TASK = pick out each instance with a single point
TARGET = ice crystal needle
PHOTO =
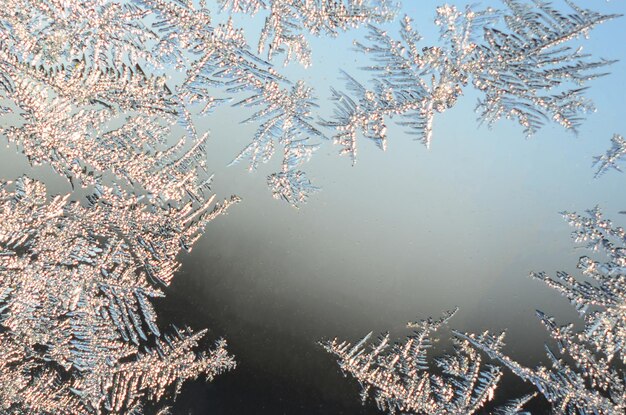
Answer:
(289, 20)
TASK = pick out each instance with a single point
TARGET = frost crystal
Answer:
(588, 380)
(224, 62)
(80, 332)
(88, 116)
(80, 91)
(519, 58)
(400, 381)
(105, 106)
(283, 34)
(286, 119)
(613, 155)
(108, 93)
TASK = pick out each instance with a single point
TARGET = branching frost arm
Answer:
(610, 160)
(400, 380)
(77, 283)
(224, 62)
(520, 58)
(587, 379)
(528, 71)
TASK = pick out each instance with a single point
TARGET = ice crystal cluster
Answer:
(108, 93)
(589, 376)
(610, 160)
(80, 334)
(586, 375)
(86, 87)
(519, 58)
(400, 380)
(288, 20)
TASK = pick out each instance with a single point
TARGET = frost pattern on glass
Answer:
(85, 86)
(589, 378)
(519, 58)
(82, 89)
(98, 106)
(515, 406)
(80, 333)
(587, 375)
(613, 156)
(223, 63)
(90, 112)
(288, 20)
(101, 31)
(400, 381)
(286, 119)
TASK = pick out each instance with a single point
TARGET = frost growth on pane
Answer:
(400, 378)
(610, 160)
(586, 375)
(50, 32)
(289, 20)
(285, 118)
(102, 104)
(81, 89)
(521, 59)
(80, 334)
(589, 378)
(223, 63)
(94, 110)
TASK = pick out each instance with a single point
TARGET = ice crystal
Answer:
(76, 281)
(224, 62)
(285, 118)
(400, 380)
(52, 31)
(81, 91)
(288, 20)
(97, 107)
(515, 407)
(87, 120)
(606, 327)
(613, 155)
(587, 380)
(520, 58)
(109, 92)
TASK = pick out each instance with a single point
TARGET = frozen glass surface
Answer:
(377, 239)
